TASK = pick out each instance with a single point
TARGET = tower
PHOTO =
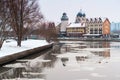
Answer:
(80, 17)
(64, 23)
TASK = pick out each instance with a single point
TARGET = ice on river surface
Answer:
(74, 60)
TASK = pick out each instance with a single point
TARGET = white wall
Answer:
(63, 26)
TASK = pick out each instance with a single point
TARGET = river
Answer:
(69, 60)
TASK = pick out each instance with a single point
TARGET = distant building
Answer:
(98, 26)
(75, 29)
(115, 27)
(106, 27)
(86, 26)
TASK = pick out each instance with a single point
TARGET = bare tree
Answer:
(52, 32)
(48, 31)
(4, 22)
(23, 14)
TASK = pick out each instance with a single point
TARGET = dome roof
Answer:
(64, 14)
(84, 15)
(64, 17)
(79, 14)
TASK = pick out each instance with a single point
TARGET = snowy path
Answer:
(11, 47)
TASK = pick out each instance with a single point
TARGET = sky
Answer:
(53, 9)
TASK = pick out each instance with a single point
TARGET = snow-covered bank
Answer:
(11, 47)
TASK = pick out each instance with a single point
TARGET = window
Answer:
(91, 31)
(96, 31)
(100, 31)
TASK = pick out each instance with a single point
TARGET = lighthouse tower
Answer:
(64, 23)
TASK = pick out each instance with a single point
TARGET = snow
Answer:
(76, 25)
(91, 34)
(23, 79)
(10, 46)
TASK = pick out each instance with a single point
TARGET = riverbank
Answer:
(89, 39)
(10, 51)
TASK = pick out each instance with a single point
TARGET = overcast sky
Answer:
(53, 9)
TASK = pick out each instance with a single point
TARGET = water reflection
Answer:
(9, 74)
(105, 53)
(64, 60)
(81, 58)
(30, 68)
(74, 60)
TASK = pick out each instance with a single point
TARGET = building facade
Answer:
(94, 26)
(106, 27)
(98, 26)
(115, 27)
(83, 25)
(75, 30)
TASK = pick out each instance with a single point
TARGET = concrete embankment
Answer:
(9, 58)
(89, 39)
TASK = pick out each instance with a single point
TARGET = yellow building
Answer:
(75, 29)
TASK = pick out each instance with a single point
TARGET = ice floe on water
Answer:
(89, 68)
(31, 73)
(82, 79)
(23, 79)
(83, 69)
(114, 59)
(31, 63)
(72, 42)
(96, 49)
(68, 54)
(16, 65)
(72, 45)
(41, 60)
(76, 69)
(97, 75)
(118, 76)
(24, 60)
(36, 62)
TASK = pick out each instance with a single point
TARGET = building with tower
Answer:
(78, 28)
(88, 27)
